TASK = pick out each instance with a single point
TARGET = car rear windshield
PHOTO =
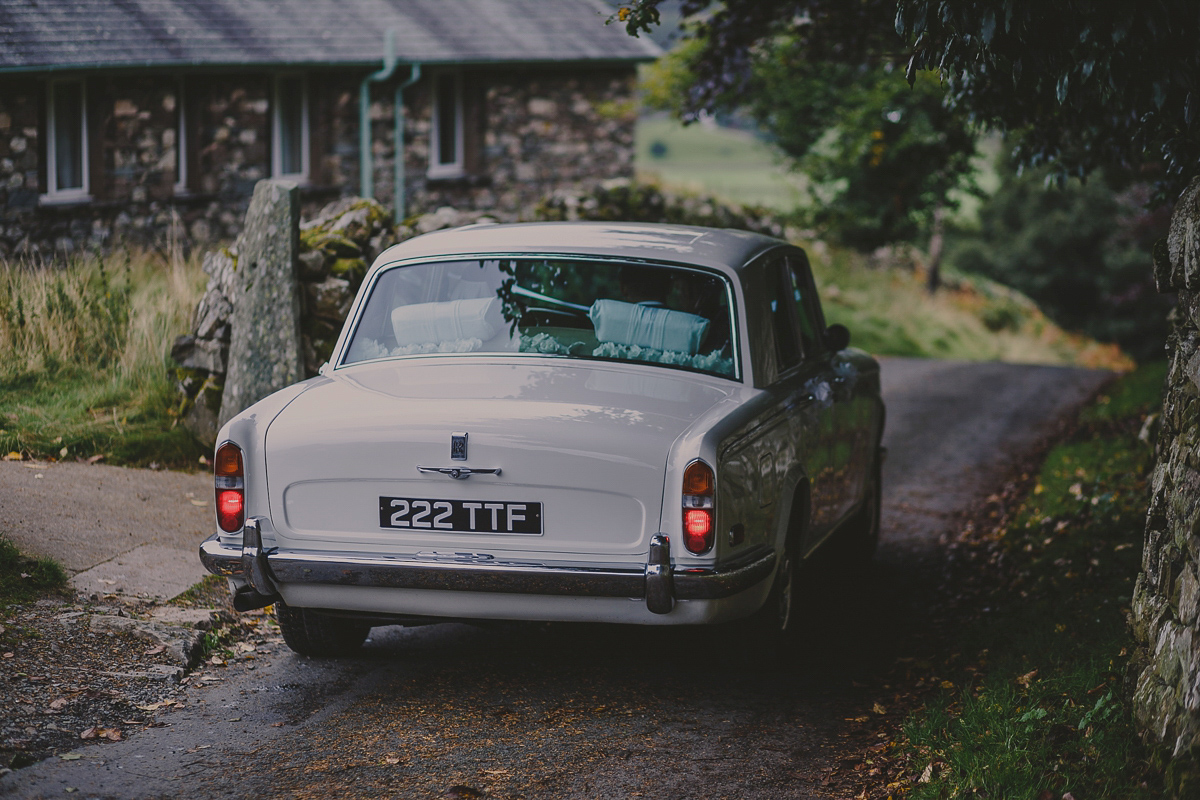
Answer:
(673, 316)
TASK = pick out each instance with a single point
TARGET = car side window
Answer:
(804, 300)
(779, 296)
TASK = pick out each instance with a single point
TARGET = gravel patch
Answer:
(90, 672)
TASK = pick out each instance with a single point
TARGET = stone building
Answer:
(150, 119)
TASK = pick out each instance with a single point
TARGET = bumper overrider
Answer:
(658, 583)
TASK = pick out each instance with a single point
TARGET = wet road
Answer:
(592, 711)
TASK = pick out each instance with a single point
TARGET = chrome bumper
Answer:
(657, 582)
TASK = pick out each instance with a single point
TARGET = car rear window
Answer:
(672, 316)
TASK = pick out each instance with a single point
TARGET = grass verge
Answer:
(23, 578)
(889, 312)
(1039, 706)
(85, 358)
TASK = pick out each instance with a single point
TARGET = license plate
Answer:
(459, 516)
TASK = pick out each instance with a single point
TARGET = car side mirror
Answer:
(837, 336)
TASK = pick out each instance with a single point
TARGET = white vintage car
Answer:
(603, 422)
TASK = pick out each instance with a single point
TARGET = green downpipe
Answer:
(399, 197)
(366, 166)
(366, 177)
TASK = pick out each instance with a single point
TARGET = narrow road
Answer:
(594, 711)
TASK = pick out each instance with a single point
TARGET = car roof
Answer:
(720, 248)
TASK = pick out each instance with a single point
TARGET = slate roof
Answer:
(89, 34)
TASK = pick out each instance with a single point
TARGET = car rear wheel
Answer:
(774, 624)
(311, 633)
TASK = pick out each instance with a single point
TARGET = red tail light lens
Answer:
(229, 479)
(699, 508)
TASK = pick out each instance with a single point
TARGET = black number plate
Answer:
(459, 516)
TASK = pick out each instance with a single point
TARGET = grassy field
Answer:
(1039, 706)
(731, 164)
(889, 312)
(85, 358)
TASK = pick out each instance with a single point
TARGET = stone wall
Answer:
(1166, 602)
(527, 132)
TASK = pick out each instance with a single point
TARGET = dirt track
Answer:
(592, 711)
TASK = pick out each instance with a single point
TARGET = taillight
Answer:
(229, 478)
(699, 492)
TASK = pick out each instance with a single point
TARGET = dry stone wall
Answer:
(1166, 602)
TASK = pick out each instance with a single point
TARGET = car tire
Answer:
(855, 545)
(774, 624)
(311, 633)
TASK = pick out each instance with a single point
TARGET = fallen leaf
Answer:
(878, 709)
(26, 575)
(200, 503)
(204, 460)
(95, 458)
(13, 456)
(112, 734)
(59, 704)
(62, 453)
(244, 647)
(391, 760)
(217, 661)
(70, 757)
(70, 789)
(926, 775)
(153, 651)
(90, 733)
(8, 655)
(1068, 796)
(2, 629)
(947, 684)
(276, 724)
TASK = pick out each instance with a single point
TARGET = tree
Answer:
(882, 157)
(1082, 85)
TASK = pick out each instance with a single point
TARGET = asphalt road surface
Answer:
(592, 711)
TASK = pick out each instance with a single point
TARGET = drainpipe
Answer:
(398, 190)
(366, 177)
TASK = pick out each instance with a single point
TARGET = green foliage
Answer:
(1044, 706)
(1081, 251)
(883, 156)
(1085, 85)
(23, 578)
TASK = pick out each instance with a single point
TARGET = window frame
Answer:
(75, 194)
(181, 123)
(277, 129)
(339, 358)
(436, 168)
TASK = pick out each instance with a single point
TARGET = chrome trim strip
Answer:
(460, 473)
(404, 573)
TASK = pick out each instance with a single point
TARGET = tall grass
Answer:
(85, 356)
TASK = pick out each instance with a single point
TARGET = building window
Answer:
(66, 142)
(289, 151)
(446, 138)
